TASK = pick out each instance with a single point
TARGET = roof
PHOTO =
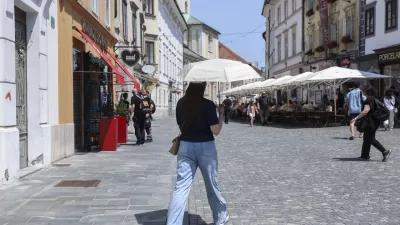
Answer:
(189, 52)
(191, 20)
(238, 58)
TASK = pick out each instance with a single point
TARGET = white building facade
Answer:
(379, 46)
(164, 47)
(28, 86)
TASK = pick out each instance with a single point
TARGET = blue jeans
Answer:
(192, 155)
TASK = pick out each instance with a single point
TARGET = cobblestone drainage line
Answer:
(78, 183)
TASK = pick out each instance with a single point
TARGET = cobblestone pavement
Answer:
(267, 176)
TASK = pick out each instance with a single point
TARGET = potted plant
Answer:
(309, 52)
(320, 49)
(108, 127)
(346, 39)
(310, 12)
(332, 44)
(122, 114)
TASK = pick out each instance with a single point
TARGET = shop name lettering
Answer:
(96, 35)
(130, 58)
(389, 56)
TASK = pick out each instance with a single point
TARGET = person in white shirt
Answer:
(389, 101)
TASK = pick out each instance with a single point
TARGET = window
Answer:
(321, 37)
(210, 43)
(391, 15)
(149, 7)
(348, 26)
(294, 42)
(310, 4)
(95, 7)
(334, 32)
(150, 53)
(195, 41)
(124, 19)
(286, 10)
(134, 27)
(186, 7)
(108, 13)
(115, 8)
(294, 7)
(279, 49)
(286, 46)
(279, 14)
(310, 42)
(370, 21)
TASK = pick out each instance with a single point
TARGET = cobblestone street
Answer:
(267, 175)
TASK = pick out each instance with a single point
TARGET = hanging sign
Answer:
(130, 58)
(149, 69)
(345, 62)
(323, 13)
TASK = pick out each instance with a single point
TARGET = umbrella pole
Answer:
(334, 89)
(219, 95)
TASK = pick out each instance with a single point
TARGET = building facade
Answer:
(283, 37)
(379, 41)
(204, 41)
(28, 87)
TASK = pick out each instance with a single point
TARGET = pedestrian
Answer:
(198, 122)
(252, 110)
(354, 100)
(389, 101)
(263, 107)
(125, 102)
(370, 125)
(141, 111)
(227, 104)
(147, 124)
(396, 96)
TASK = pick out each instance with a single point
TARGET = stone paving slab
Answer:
(267, 175)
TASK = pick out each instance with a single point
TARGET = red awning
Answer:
(120, 77)
(136, 83)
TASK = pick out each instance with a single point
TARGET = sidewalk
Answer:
(135, 187)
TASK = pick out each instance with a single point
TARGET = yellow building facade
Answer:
(342, 48)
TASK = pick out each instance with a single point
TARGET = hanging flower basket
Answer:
(332, 1)
(320, 49)
(309, 52)
(310, 12)
(332, 44)
(346, 39)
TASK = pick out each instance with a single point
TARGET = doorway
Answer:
(21, 84)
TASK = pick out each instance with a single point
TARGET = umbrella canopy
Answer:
(240, 89)
(339, 73)
(268, 85)
(218, 70)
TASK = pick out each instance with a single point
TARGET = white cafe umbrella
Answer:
(218, 70)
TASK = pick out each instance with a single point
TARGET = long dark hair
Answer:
(369, 90)
(193, 101)
(389, 94)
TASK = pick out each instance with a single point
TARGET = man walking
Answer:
(263, 107)
(227, 106)
(141, 109)
(354, 100)
(147, 125)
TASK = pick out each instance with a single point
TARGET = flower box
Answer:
(122, 130)
(346, 39)
(320, 49)
(108, 134)
(309, 52)
(310, 12)
(332, 44)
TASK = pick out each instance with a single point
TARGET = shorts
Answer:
(353, 115)
(264, 113)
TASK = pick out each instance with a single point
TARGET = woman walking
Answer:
(252, 113)
(369, 124)
(199, 123)
(389, 101)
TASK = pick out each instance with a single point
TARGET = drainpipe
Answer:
(269, 40)
(302, 30)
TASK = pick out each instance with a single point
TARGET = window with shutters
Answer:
(134, 27)
(391, 15)
(294, 41)
(370, 21)
(150, 52)
(334, 32)
(348, 26)
(125, 19)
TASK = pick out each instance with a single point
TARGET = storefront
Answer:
(88, 72)
(389, 64)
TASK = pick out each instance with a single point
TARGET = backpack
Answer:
(381, 112)
(396, 101)
(144, 105)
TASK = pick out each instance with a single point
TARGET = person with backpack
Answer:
(141, 113)
(147, 125)
(374, 112)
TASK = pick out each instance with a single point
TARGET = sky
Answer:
(235, 16)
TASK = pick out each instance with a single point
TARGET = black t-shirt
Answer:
(198, 130)
(227, 103)
(135, 100)
(263, 101)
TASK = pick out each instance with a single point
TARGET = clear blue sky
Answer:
(235, 16)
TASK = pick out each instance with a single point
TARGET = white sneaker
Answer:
(226, 220)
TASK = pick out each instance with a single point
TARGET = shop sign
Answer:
(389, 57)
(94, 34)
(345, 62)
(130, 58)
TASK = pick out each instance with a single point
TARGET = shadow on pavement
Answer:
(354, 160)
(159, 217)
(340, 138)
